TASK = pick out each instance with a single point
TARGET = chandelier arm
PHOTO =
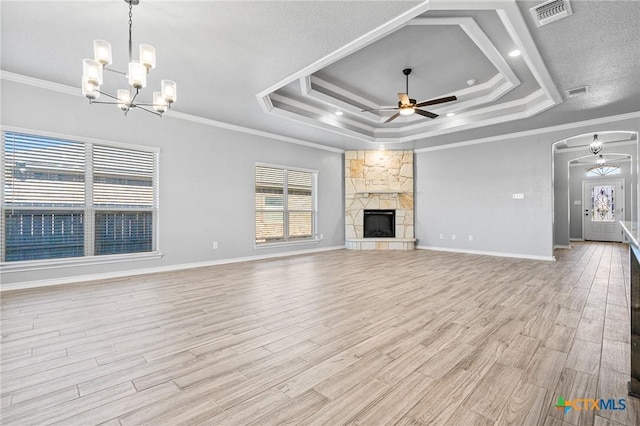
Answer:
(148, 110)
(114, 71)
(103, 102)
(132, 101)
(107, 95)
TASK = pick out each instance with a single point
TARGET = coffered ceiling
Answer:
(287, 68)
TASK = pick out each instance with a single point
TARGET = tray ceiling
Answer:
(450, 53)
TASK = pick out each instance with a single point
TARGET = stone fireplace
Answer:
(379, 184)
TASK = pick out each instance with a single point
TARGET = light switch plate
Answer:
(518, 196)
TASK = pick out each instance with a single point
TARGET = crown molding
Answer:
(568, 126)
(68, 90)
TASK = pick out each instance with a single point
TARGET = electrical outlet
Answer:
(215, 245)
(470, 237)
(453, 236)
(442, 236)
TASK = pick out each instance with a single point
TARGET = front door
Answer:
(603, 203)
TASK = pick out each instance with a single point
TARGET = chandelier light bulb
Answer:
(102, 52)
(137, 75)
(169, 91)
(92, 70)
(159, 104)
(148, 56)
(89, 90)
(124, 99)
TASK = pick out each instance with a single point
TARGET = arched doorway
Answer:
(576, 177)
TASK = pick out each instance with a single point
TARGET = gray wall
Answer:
(206, 178)
(207, 173)
(567, 216)
(467, 190)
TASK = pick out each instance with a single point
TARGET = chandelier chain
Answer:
(130, 26)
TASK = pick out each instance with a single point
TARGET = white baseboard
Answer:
(576, 239)
(489, 253)
(561, 246)
(119, 274)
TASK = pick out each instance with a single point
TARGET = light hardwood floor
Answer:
(339, 337)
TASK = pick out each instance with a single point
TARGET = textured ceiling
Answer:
(222, 54)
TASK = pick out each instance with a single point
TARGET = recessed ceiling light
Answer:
(338, 112)
(381, 147)
(451, 114)
(514, 53)
(471, 82)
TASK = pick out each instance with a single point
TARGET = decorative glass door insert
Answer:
(602, 203)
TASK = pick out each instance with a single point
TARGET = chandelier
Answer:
(92, 76)
(595, 146)
(601, 168)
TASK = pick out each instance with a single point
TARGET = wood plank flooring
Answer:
(341, 337)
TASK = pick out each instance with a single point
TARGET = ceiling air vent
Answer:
(550, 11)
(578, 91)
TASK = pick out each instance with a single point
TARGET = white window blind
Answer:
(285, 207)
(122, 177)
(43, 171)
(300, 204)
(51, 208)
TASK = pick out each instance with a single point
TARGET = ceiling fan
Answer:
(407, 106)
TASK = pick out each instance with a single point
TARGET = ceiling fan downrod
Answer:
(406, 72)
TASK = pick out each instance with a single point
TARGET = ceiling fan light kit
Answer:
(137, 70)
(408, 106)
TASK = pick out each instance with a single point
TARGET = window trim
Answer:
(63, 262)
(69, 262)
(314, 199)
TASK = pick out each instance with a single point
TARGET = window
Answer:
(603, 170)
(65, 199)
(602, 203)
(285, 204)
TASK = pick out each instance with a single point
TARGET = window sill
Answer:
(36, 265)
(287, 243)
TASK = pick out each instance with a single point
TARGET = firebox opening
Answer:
(379, 223)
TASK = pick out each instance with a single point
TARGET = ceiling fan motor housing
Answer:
(411, 103)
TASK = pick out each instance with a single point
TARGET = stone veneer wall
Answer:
(378, 180)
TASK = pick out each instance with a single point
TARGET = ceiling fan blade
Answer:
(393, 117)
(437, 101)
(425, 113)
(404, 98)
